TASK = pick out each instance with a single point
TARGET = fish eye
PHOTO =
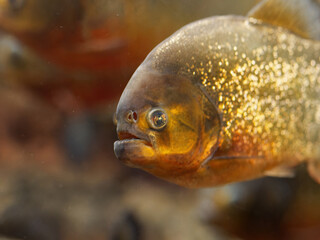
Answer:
(16, 4)
(157, 118)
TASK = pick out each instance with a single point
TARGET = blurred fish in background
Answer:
(19, 66)
(101, 34)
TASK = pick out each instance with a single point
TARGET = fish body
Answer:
(224, 99)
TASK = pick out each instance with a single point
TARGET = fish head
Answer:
(161, 124)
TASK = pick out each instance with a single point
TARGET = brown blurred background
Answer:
(63, 66)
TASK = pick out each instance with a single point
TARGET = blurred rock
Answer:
(28, 130)
(127, 227)
(93, 206)
(25, 222)
(79, 134)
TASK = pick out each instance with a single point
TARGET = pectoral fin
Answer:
(282, 171)
(299, 16)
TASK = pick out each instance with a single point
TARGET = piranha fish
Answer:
(227, 98)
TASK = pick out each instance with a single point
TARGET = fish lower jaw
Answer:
(134, 152)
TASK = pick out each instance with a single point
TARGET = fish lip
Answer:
(133, 148)
(126, 136)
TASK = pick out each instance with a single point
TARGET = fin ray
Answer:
(299, 16)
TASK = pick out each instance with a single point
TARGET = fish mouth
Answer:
(127, 137)
(133, 149)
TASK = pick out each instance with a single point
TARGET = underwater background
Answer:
(63, 67)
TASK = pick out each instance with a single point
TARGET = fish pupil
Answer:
(159, 118)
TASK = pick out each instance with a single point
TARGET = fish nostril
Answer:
(132, 117)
